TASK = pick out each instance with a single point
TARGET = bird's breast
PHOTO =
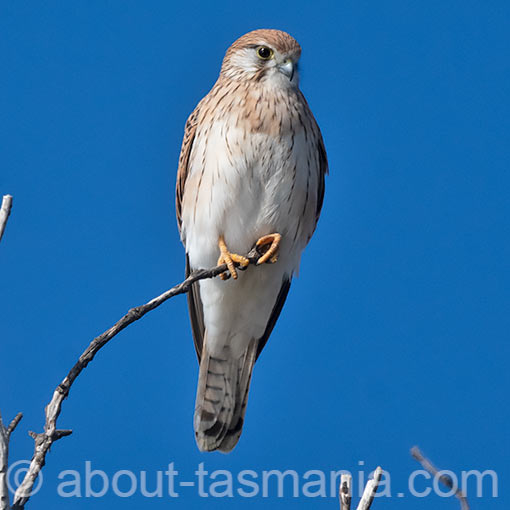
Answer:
(249, 176)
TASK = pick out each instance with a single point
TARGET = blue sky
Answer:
(395, 332)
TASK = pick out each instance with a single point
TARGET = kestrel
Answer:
(251, 172)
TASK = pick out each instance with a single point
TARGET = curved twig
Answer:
(44, 440)
(445, 480)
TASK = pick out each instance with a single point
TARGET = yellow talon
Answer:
(229, 258)
(271, 254)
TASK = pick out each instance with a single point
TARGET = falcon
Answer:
(251, 173)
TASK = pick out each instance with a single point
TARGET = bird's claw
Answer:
(230, 259)
(268, 246)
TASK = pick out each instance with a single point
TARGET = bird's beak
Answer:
(287, 68)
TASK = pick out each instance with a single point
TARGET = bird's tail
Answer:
(222, 394)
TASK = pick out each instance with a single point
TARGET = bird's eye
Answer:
(264, 53)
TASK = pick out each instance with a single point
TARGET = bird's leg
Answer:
(271, 253)
(229, 258)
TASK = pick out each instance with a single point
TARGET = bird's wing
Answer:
(194, 302)
(196, 313)
(322, 161)
(277, 308)
(323, 170)
(183, 169)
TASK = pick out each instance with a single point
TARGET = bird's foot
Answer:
(270, 244)
(230, 259)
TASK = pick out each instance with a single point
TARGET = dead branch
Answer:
(345, 491)
(370, 490)
(5, 210)
(5, 435)
(44, 440)
(444, 479)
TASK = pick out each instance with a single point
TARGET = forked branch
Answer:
(345, 491)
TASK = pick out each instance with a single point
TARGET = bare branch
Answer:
(5, 210)
(5, 432)
(345, 492)
(370, 490)
(4, 454)
(44, 440)
(14, 423)
(444, 479)
(5, 435)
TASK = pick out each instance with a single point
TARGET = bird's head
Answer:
(269, 56)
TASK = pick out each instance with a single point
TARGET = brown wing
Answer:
(323, 161)
(182, 171)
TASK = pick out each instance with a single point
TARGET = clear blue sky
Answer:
(396, 331)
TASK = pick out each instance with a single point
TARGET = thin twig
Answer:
(44, 440)
(444, 479)
(5, 210)
(5, 435)
(14, 423)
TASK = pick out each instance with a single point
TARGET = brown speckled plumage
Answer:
(252, 163)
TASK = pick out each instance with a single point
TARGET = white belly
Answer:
(242, 192)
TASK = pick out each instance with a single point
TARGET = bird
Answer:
(251, 173)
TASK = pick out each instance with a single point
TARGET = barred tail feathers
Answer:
(222, 395)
